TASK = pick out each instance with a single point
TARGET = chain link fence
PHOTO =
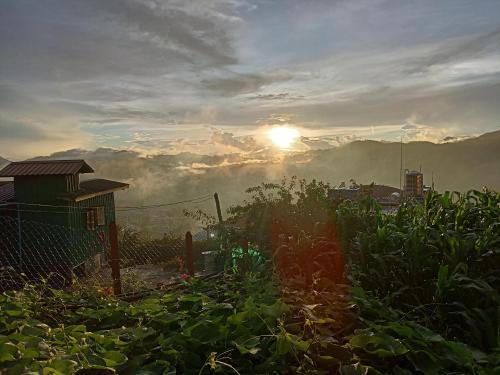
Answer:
(68, 258)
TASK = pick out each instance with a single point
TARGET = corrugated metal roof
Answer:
(6, 191)
(92, 188)
(414, 173)
(45, 167)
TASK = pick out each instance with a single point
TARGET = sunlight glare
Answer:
(283, 136)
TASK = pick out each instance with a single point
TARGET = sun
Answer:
(283, 136)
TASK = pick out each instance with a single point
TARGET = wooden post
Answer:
(189, 253)
(245, 264)
(115, 259)
(217, 205)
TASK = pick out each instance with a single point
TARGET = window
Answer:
(100, 215)
(95, 216)
(90, 219)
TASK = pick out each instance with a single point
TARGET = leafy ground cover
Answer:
(203, 325)
(346, 289)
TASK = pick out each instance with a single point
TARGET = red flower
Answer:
(184, 276)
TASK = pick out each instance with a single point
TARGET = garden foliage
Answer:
(354, 291)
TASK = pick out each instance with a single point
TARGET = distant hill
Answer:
(462, 165)
(468, 164)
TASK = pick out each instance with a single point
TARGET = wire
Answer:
(201, 199)
(36, 205)
(194, 200)
(35, 211)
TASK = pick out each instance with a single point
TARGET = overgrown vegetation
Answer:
(354, 291)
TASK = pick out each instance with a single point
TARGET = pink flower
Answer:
(184, 276)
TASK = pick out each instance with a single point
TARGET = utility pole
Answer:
(217, 205)
(401, 171)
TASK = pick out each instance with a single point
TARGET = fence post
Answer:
(189, 253)
(115, 259)
(245, 266)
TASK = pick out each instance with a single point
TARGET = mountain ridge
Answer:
(462, 165)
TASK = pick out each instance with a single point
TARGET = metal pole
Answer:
(189, 253)
(401, 170)
(20, 236)
(115, 259)
(217, 205)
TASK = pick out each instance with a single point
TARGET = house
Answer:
(49, 216)
(387, 196)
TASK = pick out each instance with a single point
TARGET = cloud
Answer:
(198, 32)
(171, 70)
(29, 127)
(409, 127)
(246, 143)
(68, 40)
(272, 97)
(24, 137)
(236, 84)
(18, 130)
(109, 91)
(458, 50)
(328, 141)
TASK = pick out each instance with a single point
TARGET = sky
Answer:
(213, 76)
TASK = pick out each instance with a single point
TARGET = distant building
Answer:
(383, 194)
(345, 193)
(50, 192)
(414, 184)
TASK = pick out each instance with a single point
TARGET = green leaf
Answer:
(96, 370)
(378, 344)
(400, 371)
(187, 302)
(424, 362)
(238, 318)
(426, 334)
(283, 344)
(114, 358)
(275, 310)
(358, 369)
(205, 331)
(8, 352)
(59, 367)
(248, 346)
(340, 352)
(32, 331)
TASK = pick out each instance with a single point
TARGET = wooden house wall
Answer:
(42, 190)
(96, 241)
(61, 241)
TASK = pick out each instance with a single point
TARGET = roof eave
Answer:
(93, 194)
